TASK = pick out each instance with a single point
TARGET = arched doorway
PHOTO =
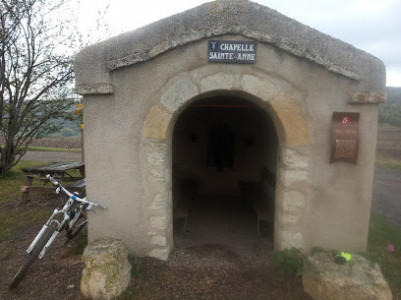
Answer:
(224, 156)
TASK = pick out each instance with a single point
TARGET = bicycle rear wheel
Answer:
(33, 255)
(76, 227)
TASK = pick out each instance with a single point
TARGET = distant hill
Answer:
(390, 112)
(66, 128)
(393, 94)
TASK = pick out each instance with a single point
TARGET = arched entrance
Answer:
(224, 156)
(279, 106)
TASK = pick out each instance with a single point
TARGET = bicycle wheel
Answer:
(33, 255)
(76, 228)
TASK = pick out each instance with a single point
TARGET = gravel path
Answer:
(47, 156)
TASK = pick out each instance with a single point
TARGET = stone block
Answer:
(157, 175)
(358, 279)
(156, 123)
(178, 94)
(220, 80)
(107, 272)
(264, 89)
(155, 153)
(368, 97)
(95, 89)
(293, 122)
(295, 160)
(158, 240)
(161, 254)
(158, 222)
(293, 202)
(291, 239)
(290, 177)
(160, 203)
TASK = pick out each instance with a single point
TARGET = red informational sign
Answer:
(344, 137)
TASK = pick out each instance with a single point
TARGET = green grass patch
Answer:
(15, 217)
(14, 220)
(389, 163)
(52, 149)
(10, 184)
(78, 244)
(289, 262)
(135, 265)
(381, 234)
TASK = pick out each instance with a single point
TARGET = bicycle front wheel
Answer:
(33, 255)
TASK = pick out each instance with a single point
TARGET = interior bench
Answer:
(183, 196)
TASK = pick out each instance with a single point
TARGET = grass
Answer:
(53, 144)
(381, 234)
(15, 217)
(20, 219)
(78, 244)
(10, 184)
(53, 149)
(389, 163)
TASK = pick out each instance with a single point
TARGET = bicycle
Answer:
(74, 210)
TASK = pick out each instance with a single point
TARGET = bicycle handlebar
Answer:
(71, 195)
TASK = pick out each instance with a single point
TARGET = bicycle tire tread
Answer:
(33, 255)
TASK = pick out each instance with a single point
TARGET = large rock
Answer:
(107, 271)
(358, 279)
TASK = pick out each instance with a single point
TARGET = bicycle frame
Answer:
(66, 211)
(61, 219)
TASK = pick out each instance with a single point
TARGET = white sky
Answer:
(371, 25)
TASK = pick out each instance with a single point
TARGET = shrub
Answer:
(290, 262)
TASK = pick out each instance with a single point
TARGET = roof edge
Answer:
(284, 45)
(225, 17)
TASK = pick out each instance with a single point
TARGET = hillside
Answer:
(393, 94)
(390, 112)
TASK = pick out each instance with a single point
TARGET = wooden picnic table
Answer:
(59, 170)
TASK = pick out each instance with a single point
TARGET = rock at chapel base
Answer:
(358, 279)
(107, 272)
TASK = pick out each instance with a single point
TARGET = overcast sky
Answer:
(370, 25)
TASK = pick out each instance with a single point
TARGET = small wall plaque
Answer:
(239, 52)
(344, 137)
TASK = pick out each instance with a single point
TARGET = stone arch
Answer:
(280, 100)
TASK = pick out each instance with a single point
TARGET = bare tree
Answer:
(35, 72)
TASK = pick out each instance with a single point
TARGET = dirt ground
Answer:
(217, 258)
(229, 263)
(56, 276)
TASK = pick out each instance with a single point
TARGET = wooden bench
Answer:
(76, 186)
(260, 195)
(184, 191)
(58, 170)
(262, 210)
